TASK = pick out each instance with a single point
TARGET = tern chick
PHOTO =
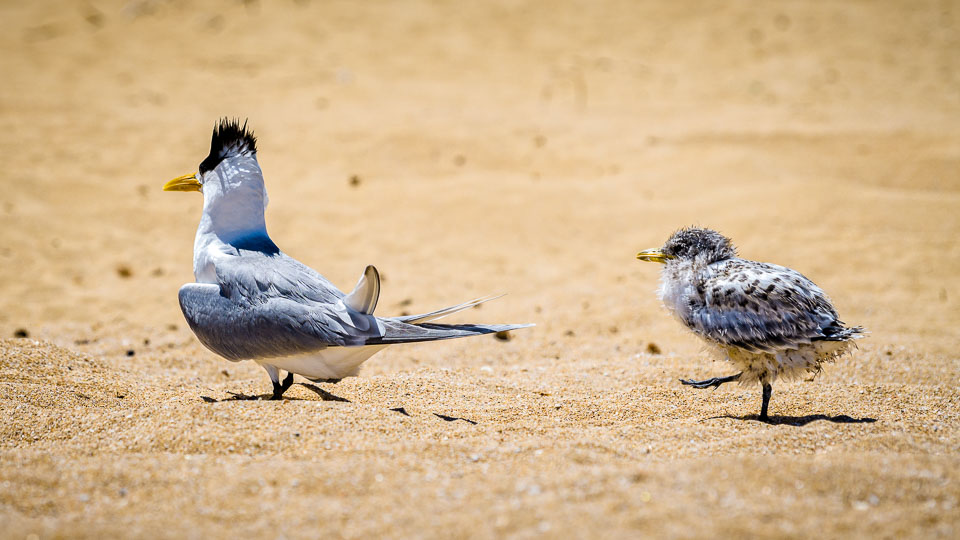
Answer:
(251, 301)
(770, 321)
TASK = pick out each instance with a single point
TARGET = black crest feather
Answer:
(229, 139)
(691, 242)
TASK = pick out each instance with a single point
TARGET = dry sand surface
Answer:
(468, 148)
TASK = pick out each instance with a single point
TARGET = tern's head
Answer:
(234, 195)
(692, 244)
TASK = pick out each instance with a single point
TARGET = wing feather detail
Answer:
(759, 307)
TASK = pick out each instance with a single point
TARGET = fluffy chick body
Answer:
(769, 321)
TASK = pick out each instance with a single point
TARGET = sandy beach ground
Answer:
(469, 148)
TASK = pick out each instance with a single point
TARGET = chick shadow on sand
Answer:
(799, 421)
(235, 396)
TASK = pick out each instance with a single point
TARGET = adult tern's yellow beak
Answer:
(187, 182)
(654, 255)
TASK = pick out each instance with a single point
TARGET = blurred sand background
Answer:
(468, 148)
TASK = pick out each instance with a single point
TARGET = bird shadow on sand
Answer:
(800, 421)
(237, 396)
(324, 395)
(446, 418)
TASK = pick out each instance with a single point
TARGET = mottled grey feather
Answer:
(757, 306)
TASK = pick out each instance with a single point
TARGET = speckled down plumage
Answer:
(768, 320)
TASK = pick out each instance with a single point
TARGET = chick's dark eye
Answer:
(675, 248)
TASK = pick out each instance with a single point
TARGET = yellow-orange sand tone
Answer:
(470, 148)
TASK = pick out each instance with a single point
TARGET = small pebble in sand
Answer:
(653, 348)
(124, 271)
(131, 352)
(354, 180)
(21, 333)
(94, 18)
(503, 336)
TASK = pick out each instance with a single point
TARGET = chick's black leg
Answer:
(767, 390)
(280, 388)
(714, 382)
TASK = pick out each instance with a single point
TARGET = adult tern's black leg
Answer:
(280, 388)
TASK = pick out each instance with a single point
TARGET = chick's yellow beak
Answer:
(187, 182)
(654, 255)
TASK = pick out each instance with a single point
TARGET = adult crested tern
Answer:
(251, 301)
(770, 321)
